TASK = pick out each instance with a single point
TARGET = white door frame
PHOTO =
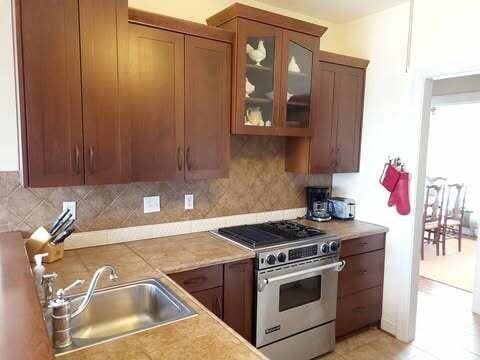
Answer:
(408, 286)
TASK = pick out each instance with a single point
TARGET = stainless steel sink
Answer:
(122, 310)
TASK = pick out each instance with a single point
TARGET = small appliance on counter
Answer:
(317, 203)
(341, 208)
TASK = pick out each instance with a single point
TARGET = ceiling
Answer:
(335, 10)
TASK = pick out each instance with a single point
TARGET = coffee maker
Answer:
(317, 203)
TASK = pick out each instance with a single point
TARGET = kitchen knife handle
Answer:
(179, 158)
(77, 159)
(92, 159)
(189, 165)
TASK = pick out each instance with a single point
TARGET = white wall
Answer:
(8, 112)
(445, 35)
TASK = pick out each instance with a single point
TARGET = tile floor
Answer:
(446, 330)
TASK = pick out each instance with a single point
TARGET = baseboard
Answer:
(389, 326)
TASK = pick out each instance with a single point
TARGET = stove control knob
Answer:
(334, 246)
(324, 249)
(271, 259)
(282, 257)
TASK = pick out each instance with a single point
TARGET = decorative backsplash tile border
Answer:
(114, 236)
(257, 184)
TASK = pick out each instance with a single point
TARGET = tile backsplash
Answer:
(257, 183)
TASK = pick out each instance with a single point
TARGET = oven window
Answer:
(300, 292)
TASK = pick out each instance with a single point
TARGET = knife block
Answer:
(39, 243)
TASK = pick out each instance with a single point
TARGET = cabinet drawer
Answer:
(200, 279)
(212, 299)
(361, 272)
(359, 310)
(362, 245)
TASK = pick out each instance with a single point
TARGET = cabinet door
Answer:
(156, 101)
(297, 75)
(104, 34)
(52, 113)
(323, 141)
(212, 299)
(238, 297)
(207, 108)
(348, 112)
(258, 78)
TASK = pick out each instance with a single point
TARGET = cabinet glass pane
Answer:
(299, 84)
(260, 53)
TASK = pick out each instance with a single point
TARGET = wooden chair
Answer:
(432, 217)
(453, 215)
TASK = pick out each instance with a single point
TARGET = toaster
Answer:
(341, 208)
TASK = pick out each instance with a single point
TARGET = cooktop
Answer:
(270, 233)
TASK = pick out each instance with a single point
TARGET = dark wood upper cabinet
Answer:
(238, 297)
(50, 92)
(72, 60)
(104, 57)
(347, 114)
(274, 59)
(157, 103)
(207, 108)
(180, 95)
(335, 143)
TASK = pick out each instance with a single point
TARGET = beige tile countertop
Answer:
(347, 229)
(200, 337)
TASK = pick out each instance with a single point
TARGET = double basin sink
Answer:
(124, 309)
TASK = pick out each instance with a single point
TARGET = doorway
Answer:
(445, 325)
(452, 203)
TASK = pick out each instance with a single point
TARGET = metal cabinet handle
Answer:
(92, 159)
(195, 280)
(359, 309)
(363, 243)
(179, 158)
(218, 307)
(189, 164)
(337, 154)
(77, 159)
(362, 272)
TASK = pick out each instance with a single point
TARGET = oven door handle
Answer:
(338, 266)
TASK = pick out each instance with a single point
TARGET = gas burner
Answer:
(271, 233)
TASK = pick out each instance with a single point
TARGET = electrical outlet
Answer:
(188, 201)
(151, 204)
(72, 206)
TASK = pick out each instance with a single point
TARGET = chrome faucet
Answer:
(61, 314)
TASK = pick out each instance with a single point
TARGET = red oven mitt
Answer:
(400, 196)
(389, 177)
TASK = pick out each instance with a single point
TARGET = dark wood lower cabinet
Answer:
(358, 310)
(238, 297)
(226, 290)
(360, 284)
(212, 299)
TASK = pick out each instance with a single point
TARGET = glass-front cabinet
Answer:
(274, 80)
(298, 65)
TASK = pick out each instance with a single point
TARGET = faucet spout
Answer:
(113, 276)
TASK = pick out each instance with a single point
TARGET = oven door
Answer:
(291, 299)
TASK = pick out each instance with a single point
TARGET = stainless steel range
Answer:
(296, 285)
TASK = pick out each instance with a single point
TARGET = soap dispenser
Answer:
(38, 272)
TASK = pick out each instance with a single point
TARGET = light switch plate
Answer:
(72, 206)
(188, 201)
(151, 204)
